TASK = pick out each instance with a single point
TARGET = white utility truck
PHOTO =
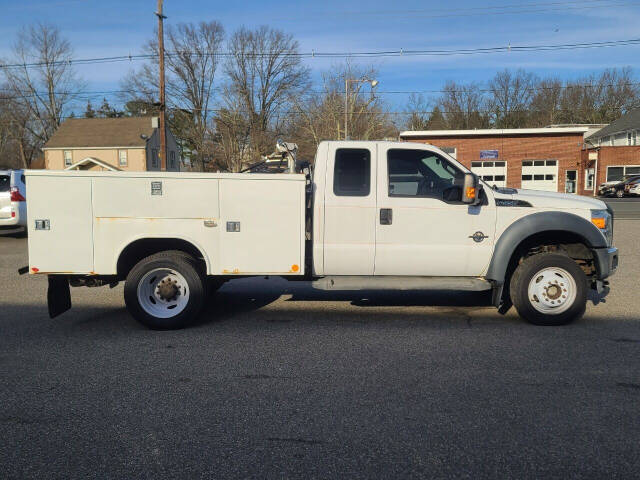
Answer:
(366, 216)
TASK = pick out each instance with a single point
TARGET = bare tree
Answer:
(464, 106)
(418, 117)
(191, 61)
(320, 115)
(511, 96)
(545, 103)
(42, 85)
(264, 73)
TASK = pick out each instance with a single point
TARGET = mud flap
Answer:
(58, 295)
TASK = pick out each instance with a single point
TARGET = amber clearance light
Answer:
(599, 222)
(471, 192)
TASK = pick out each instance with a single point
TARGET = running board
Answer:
(469, 284)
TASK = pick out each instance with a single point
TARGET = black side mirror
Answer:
(470, 189)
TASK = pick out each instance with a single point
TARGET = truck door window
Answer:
(5, 183)
(352, 172)
(420, 173)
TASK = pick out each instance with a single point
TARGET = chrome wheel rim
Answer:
(163, 293)
(552, 291)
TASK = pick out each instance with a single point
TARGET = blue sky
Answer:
(102, 28)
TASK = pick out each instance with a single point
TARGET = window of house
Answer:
(538, 163)
(420, 173)
(476, 164)
(629, 138)
(538, 177)
(635, 137)
(500, 164)
(122, 158)
(487, 178)
(551, 163)
(499, 178)
(527, 177)
(612, 140)
(172, 159)
(352, 172)
(527, 163)
(68, 158)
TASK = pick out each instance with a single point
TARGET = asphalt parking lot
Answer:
(280, 381)
(624, 208)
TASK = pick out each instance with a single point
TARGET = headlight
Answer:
(603, 219)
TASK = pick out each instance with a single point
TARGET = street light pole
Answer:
(347, 81)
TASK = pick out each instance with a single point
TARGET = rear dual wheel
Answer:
(549, 289)
(166, 291)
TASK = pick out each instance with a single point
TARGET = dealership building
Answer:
(556, 158)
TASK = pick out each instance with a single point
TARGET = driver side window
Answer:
(423, 174)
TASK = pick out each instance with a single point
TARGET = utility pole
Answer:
(163, 105)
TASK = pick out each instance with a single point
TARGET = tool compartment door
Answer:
(262, 226)
(65, 202)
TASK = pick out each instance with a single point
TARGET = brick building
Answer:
(552, 158)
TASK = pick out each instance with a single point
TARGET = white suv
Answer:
(13, 200)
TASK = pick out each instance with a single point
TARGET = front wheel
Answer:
(165, 291)
(620, 193)
(549, 289)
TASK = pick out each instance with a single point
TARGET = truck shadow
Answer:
(239, 298)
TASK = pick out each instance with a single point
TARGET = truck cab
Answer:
(366, 215)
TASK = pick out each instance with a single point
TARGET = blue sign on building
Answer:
(488, 154)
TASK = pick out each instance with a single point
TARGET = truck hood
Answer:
(558, 200)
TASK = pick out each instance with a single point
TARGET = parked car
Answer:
(634, 189)
(367, 216)
(13, 200)
(606, 189)
(616, 188)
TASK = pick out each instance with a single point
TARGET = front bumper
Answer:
(606, 260)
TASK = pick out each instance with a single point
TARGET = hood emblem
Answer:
(478, 237)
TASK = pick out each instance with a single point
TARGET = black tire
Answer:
(180, 262)
(532, 266)
(619, 193)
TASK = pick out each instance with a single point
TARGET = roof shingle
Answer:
(102, 132)
(629, 121)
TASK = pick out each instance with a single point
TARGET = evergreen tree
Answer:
(89, 112)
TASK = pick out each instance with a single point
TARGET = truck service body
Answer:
(368, 215)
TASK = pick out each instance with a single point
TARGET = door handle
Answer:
(386, 216)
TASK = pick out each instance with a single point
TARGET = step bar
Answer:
(349, 282)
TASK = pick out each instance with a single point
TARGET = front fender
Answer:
(534, 224)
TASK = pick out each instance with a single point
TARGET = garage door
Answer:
(494, 173)
(540, 175)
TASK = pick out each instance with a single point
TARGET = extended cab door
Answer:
(422, 226)
(350, 209)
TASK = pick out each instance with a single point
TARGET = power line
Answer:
(381, 113)
(364, 54)
(87, 95)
